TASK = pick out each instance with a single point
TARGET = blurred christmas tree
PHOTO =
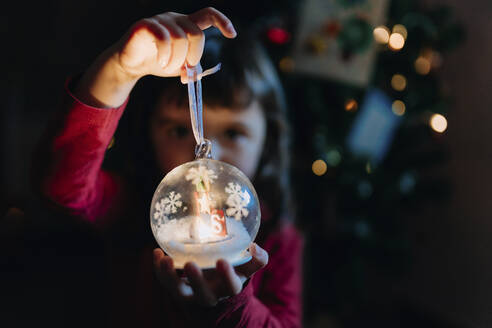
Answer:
(368, 115)
(370, 147)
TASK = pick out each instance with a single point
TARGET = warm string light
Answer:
(432, 56)
(398, 82)
(381, 34)
(400, 29)
(351, 105)
(427, 60)
(319, 167)
(398, 107)
(422, 65)
(395, 39)
(438, 123)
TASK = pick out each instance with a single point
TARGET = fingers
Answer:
(147, 44)
(166, 274)
(157, 256)
(179, 43)
(196, 40)
(202, 292)
(232, 282)
(160, 45)
(162, 42)
(207, 17)
(258, 261)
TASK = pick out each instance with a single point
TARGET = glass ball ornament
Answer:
(203, 211)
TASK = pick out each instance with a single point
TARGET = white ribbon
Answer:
(194, 75)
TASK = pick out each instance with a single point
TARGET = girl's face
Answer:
(237, 135)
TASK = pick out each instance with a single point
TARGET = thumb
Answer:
(258, 261)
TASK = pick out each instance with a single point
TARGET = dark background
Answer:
(447, 282)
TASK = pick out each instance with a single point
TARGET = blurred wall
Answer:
(453, 242)
(43, 43)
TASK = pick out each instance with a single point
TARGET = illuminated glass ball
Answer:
(203, 211)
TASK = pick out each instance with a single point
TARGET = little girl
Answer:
(244, 117)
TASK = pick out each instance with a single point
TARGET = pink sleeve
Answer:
(72, 177)
(272, 298)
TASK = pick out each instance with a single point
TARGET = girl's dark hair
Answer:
(246, 74)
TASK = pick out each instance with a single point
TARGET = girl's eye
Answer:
(179, 131)
(233, 134)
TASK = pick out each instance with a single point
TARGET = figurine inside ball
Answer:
(203, 211)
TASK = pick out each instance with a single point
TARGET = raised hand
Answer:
(159, 45)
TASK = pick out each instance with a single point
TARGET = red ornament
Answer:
(332, 28)
(278, 35)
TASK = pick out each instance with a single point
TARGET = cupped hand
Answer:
(210, 286)
(160, 45)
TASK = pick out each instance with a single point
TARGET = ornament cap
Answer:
(203, 149)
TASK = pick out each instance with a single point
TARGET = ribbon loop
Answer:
(194, 75)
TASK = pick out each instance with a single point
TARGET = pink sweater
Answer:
(75, 181)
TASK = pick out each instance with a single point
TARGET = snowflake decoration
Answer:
(201, 176)
(237, 201)
(159, 216)
(233, 189)
(171, 203)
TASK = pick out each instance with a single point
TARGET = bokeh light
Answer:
(286, 64)
(398, 82)
(398, 107)
(422, 65)
(400, 29)
(319, 167)
(396, 41)
(333, 157)
(438, 123)
(278, 35)
(351, 105)
(381, 34)
(433, 56)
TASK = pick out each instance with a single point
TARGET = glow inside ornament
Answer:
(204, 210)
